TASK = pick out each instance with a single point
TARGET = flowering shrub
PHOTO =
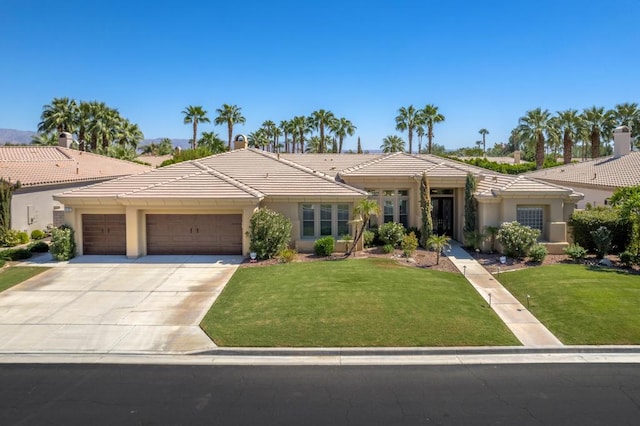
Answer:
(391, 233)
(517, 239)
(269, 233)
(63, 245)
(537, 253)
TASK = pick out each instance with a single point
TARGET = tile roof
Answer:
(245, 173)
(605, 172)
(330, 164)
(48, 165)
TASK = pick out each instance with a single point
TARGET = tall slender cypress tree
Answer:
(470, 206)
(425, 207)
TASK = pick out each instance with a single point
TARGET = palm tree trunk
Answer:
(410, 140)
(230, 131)
(340, 145)
(430, 136)
(595, 145)
(540, 151)
(566, 148)
(195, 133)
(321, 147)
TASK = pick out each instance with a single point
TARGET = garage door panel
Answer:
(194, 234)
(104, 234)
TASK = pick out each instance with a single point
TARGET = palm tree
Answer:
(128, 134)
(420, 132)
(628, 115)
(301, 126)
(534, 126)
(597, 122)
(484, 133)
(320, 120)
(569, 123)
(59, 116)
(362, 213)
(229, 115)
(83, 122)
(342, 128)
(269, 130)
(195, 114)
(408, 119)
(313, 145)
(392, 143)
(44, 139)
(212, 142)
(259, 139)
(284, 127)
(430, 117)
(438, 243)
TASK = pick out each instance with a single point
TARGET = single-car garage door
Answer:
(194, 234)
(104, 234)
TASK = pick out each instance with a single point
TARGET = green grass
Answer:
(16, 274)
(351, 303)
(581, 306)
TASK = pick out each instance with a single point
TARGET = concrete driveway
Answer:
(111, 304)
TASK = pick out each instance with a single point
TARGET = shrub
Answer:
(23, 237)
(388, 248)
(576, 252)
(15, 254)
(409, 244)
(391, 233)
(63, 245)
(585, 221)
(602, 240)
(2, 262)
(628, 259)
(324, 246)
(537, 253)
(287, 255)
(269, 233)
(9, 237)
(38, 247)
(517, 239)
(417, 232)
(37, 234)
(368, 237)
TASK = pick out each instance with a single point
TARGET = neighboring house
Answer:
(598, 179)
(204, 206)
(46, 170)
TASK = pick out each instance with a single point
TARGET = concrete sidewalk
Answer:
(520, 321)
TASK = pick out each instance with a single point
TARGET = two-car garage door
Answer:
(194, 234)
(166, 234)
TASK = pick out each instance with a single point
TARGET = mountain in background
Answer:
(13, 136)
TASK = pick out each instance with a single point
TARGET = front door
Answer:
(442, 215)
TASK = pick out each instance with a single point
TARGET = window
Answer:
(308, 220)
(388, 211)
(403, 212)
(320, 220)
(530, 216)
(394, 204)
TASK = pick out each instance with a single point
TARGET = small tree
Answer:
(517, 239)
(438, 243)
(425, 209)
(63, 243)
(627, 200)
(361, 215)
(470, 207)
(409, 244)
(6, 192)
(602, 239)
(269, 233)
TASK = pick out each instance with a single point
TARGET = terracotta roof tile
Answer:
(47, 165)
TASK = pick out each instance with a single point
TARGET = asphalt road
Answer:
(550, 394)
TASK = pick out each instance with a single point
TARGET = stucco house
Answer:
(46, 170)
(598, 179)
(204, 206)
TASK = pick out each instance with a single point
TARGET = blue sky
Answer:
(484, 64)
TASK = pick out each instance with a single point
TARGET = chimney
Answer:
(516, 157)
(240, 142)
(65, 140)
(621, 141)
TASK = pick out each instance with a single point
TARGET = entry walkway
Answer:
(520, 321)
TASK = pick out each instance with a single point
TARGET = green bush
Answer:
(602, 239)
(576, 252)
(585, 221)
(2, 262)
(269, 233)
(287, 255)
(537, 253)
(517, 239)
(409, 244)
(324, 246)
(391, 233)
(37, 234)
(9, 237)
(63, 245)
(38, 247)
(23, 237)
(628, 259)
(368, 237)
(388, 248)
(417, 232)
(15, 254)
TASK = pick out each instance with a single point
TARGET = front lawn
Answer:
(581, 306)
(16, 274)
(351, 303)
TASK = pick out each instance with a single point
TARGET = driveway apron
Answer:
(111, 304)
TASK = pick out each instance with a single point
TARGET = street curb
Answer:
(510, 350)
